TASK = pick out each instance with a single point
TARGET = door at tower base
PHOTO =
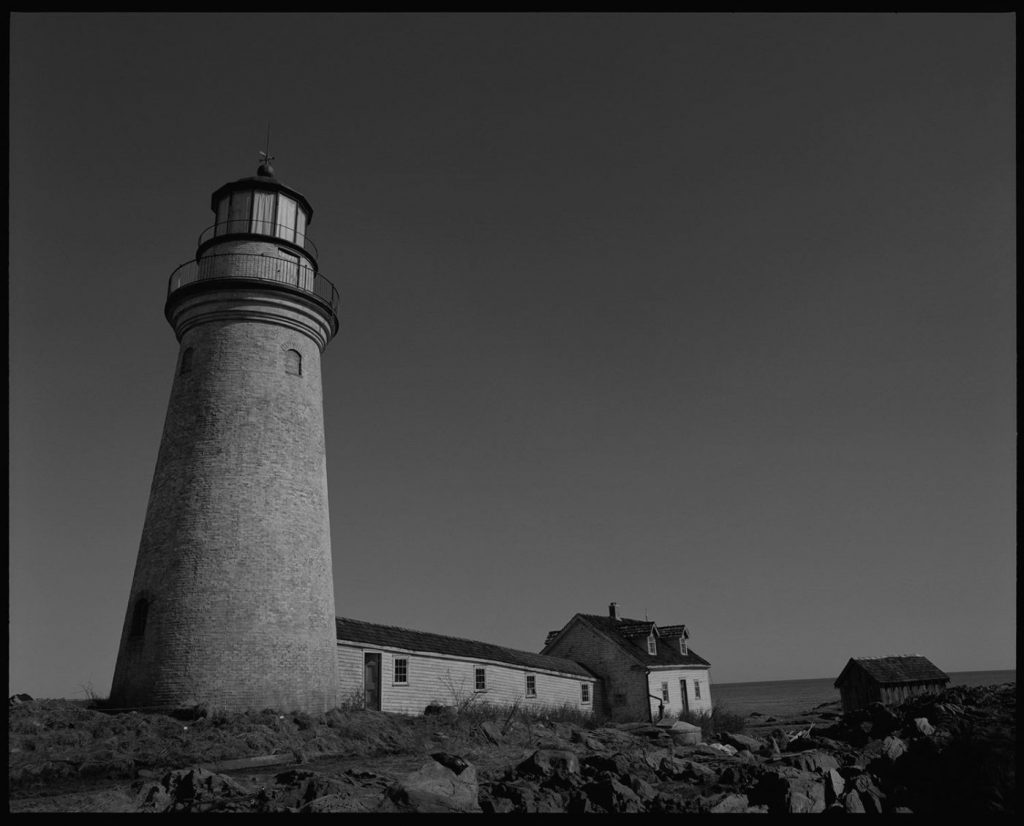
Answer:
(404, 671)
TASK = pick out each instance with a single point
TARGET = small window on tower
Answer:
(293, 363)
(186, 361)
(139, 618)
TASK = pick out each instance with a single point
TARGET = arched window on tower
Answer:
(186, 361)
(293, 363)
(139, 616)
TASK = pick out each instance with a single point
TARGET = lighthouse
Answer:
(232, 600)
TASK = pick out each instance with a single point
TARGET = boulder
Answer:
(852, 803)
(677, 768)
(787, 790)
(492, 732)
(741, 741)
(335, 804)
(728, 803)
(436, 788)
(893, 748)
(922, 727)
(190, 790)
(613, 796)
(834, 785)
(723, 748)
(550, 763)
(813, 760)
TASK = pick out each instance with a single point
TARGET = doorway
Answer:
(371, 681)
(685, 706)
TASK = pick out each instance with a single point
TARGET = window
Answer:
(696, 689)
(186, 362)
(664, 692)
(139, 615)
(531, 685)
(264, 209)
(293, 363)
(401, 671)
(481, 679)
(239, 212)
(682, 646)
(652, 645)
(584, 692)
(285, 218)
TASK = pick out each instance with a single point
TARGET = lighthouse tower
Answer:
(232, 602)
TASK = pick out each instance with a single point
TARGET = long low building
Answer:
(400, 670)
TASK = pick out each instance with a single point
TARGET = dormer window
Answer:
(652, 645)
(682, 646)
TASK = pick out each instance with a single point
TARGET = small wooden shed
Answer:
(888, 680)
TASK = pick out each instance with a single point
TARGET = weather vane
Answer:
(265, 156)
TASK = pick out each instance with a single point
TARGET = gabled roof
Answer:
(907, 668)
(624, 632)
(390, 636)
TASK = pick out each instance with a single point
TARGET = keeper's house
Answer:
(646, 670)
(889, 680)
(399, 670)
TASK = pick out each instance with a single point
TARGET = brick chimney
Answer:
(613, 610)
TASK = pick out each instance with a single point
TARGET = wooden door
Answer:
(371, 681)
(686, 699)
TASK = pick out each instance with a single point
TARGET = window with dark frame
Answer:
(531, 685)
(481, 679)
(401, 671)
(584, 692)
(664, 692)
(652, 645)
(696, 689)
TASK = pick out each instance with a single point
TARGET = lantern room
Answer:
(260, 206)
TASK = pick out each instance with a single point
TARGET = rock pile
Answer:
(952, 753)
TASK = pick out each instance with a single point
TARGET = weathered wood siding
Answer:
(673, 676)
(448, 680)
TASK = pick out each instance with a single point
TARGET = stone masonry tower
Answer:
(232, 603)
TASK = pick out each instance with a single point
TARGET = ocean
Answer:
(787, 697)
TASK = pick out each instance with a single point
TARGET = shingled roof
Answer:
(907, 668)
(625, 631)
(390, 636)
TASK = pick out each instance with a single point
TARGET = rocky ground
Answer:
(952, 753)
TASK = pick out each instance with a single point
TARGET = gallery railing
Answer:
(238, 266)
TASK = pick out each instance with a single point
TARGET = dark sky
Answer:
(709, 315)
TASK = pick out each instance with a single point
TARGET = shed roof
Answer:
(906, 668)
(390, 636)
(624, 632)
